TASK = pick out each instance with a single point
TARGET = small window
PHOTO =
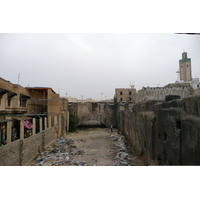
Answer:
(129, 93)
(120, 99)
(178, 124)
(120, 93)
(198, 85)
(130, 99)
(164, 135)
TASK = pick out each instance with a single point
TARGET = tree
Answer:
(73, 122)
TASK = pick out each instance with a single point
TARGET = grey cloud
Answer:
(88, 64)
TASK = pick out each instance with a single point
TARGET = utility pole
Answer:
(101, 96)
(18, 78)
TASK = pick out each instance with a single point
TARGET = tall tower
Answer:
(185, 68)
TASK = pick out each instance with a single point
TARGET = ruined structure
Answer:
(94, 113)
(166, 133)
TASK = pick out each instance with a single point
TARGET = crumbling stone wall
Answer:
(102, 112)
(165, 133)
(22, 152)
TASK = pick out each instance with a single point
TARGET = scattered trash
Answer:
(82, 163)
(80, 152)
(42, 162)
(122, 155)
(67, 158)
(63, 152)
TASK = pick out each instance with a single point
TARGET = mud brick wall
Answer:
(48, 137)
(10, 154)
(165, 133)
(22, 152)
(31, 147)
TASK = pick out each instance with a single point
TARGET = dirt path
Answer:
(89, 147)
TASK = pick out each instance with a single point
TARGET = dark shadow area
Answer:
(91, 126)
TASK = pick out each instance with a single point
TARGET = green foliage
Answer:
(73, 122)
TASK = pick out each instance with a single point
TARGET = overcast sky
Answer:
(90, 64)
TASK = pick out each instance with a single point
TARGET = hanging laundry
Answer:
(28, 124)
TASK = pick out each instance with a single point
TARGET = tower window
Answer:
(120, 93)
(120, 99)
(129, 93)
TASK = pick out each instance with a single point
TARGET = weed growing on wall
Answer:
(73, 122)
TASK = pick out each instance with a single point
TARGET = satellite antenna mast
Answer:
(18, 78)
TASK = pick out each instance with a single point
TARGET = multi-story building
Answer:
(125, 94)
(40, 105)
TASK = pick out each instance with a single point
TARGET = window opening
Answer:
(178, 124)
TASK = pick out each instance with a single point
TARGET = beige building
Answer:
(159, 93)
(40, 106)
(125, 94)
(185, 68)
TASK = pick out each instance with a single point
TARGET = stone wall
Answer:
(22, 152)
(159, 93)
(163, 133)
(102, 112)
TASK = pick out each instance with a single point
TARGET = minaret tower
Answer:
(185, 68)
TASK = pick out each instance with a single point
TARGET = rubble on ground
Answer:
(122, 156)
(61, 152)
(64, 151)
